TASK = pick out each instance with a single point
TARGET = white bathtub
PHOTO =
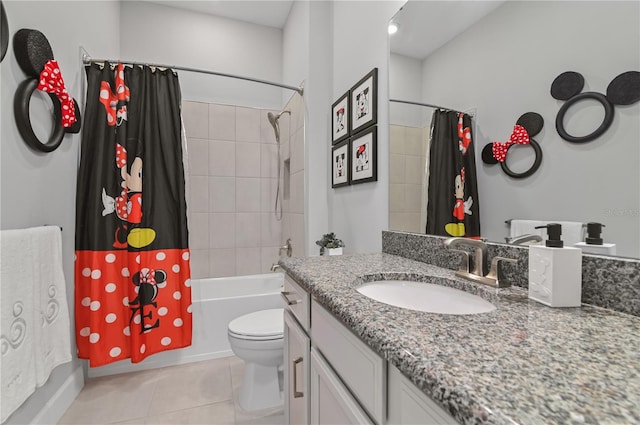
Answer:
(216, 301)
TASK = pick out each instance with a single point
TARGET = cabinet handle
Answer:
(287, 300)
(296, 394)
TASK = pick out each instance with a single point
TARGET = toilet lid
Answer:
(259, 324)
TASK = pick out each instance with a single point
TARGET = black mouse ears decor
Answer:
(35, 57)
(623, 90)
(4, 32)
(527, 126)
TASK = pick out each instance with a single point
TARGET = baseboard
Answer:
(150, 363)
(58, 404)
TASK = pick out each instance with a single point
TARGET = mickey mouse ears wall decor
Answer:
(4, 32)
(35, 57)
(623, 90)
(527, 126)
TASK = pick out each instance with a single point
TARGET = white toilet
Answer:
(258, 339)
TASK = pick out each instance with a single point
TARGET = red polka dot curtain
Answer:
(452, 208)
(132, 290)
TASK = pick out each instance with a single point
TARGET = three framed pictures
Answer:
(354, 157)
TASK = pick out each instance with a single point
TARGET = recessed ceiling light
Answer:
(393, 28)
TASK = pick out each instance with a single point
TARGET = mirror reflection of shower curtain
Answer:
(132, 290)
(424, 200)
(452, 208)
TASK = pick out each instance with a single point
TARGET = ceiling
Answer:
(272, 13)
(425, 26)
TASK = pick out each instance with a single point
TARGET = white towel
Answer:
(35, 339)
(527, 227)
(572, 231)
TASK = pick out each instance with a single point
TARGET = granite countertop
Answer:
(524, 363)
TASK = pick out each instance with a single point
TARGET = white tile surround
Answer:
(232, 173)
(408, 148)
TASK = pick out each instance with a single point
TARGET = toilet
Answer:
(258, 339)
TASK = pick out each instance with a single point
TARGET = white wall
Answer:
(307, 56)
(170, 36)
(39, 188)
(358, 213)
(504, 67)
(405, 83)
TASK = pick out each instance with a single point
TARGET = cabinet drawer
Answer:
(297, 300)
(359, 367)
(331, 403)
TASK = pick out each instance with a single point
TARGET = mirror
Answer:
(497, 60)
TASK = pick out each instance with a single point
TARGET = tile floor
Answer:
(194, 393)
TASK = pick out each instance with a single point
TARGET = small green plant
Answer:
(329, 241)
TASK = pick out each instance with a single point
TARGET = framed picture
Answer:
(364, 156)
(364, 102)
(340, 164)
(340, 119)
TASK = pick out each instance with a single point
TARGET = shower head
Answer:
(273, 119)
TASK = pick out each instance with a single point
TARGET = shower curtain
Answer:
(132, 290)
(452, 208)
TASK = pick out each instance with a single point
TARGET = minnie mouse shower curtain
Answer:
(132, 291)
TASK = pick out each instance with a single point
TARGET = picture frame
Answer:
(364, 102)
(363, 151)
(340, 119)
(340, 164)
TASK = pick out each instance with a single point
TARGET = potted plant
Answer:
(330, 244)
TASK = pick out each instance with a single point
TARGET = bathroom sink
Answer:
(425, 297)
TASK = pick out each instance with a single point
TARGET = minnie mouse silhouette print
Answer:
(623, 90)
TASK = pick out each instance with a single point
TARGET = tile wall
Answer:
(407, 198)
(232, 177)
(292, 149)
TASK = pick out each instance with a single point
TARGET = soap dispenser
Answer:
(555, 271)
(593, 243)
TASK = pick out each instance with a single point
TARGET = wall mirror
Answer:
(493, 60)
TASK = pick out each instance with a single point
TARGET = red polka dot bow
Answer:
(518, 137)
(51, 82)
(149, 278)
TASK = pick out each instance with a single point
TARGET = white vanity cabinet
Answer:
(408, 405)
(332, 377)
(297, 347)
(331, 402)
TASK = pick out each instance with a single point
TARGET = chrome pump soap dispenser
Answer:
(555, 271)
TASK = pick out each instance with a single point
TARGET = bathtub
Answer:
(216, 301)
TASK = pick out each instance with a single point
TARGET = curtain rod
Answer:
(87, 60)
(409, 102)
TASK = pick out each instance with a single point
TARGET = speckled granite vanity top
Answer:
(523, 363)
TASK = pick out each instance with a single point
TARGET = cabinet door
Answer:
(296, 372)
(331, 402)
(408, 405)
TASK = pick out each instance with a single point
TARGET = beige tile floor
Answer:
(195, 393)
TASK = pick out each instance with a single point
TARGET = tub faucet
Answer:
(521, 239)
(477, 272)
(287, 247)
(275, 267)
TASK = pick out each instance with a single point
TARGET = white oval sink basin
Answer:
(425, 297)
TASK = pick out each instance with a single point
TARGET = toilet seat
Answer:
(258, 326)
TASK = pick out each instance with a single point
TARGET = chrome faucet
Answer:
(477, 273)
(480, 254)
(521, 239)
(275, 267)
